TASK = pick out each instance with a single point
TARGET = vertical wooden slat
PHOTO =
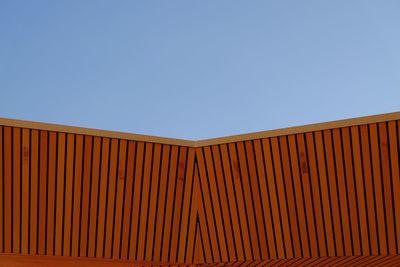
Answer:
(77, 193)
(153, 201)
(146, 183)
(248, 200)
(359, 184)
(161, 203)
(378, 190)
(192, 227)
(85, 195)
(61, 155)
(298, 191)
(94, 196)
(180, 183)
(369, 189)
(105, 152)
(8, 201)
(308, 196)
(314, 178)
(112, 179)
(330, 164)
(292, 207)
(42, 192)
(265, 202)
(169, 203)
(69, 179)
(1, 191)
(216, 203)
(51, 197)
(352, 196)
(34, 191)
(240, 201)
(340, 177)
(121, 178)
(16, 176)
(394, 163)
(387, 187)
(233, 206)
(206, 251)
(266, 145)
(213, 160)
(128, 199)
(137, 189)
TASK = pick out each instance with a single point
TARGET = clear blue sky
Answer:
(198, 69)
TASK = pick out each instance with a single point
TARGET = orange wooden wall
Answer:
(331, 192)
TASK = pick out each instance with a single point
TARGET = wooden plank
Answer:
(61, 155)
(369, 190)
(77, 193)
(153, 206)
(213, 159)
(1, 191)
(94, 195)
(387, 187)
(292, 205)
(169, 203)
(334, 199)
(307, 194)
(240, 201)
(248, 200)
(43, 151)
(233, 206)
(69, 179)
(178, 204)
(352, 196)
(16, 176)
(359, 184)
(265, 202)
(378, 192)
(216, 203)
(121, 178)
(191, 249)
(105, 154)
(144, 207)
(112, 180)
(87, 162)
(340, 176)
(128, 199)
(51, 197)
(136, 200)
(266, 146)
(8, 201)
(161, 200)
(34, 191)
(298, 192)
(394, 164)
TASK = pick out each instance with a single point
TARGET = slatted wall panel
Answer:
(327, 193)
(332, 192)
(68, 194)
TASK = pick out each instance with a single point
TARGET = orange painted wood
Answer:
(51, 190)
(121, 178)
(16, 177)
(278, 200)
(1, 191)
(60, 199)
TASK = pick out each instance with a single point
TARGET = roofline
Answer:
(206, 142)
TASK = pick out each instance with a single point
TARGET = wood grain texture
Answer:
(327, 196)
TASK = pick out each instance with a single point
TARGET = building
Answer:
(322, 194)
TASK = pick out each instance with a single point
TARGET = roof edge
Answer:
(301, 129)
(206, 142)
(95, 132)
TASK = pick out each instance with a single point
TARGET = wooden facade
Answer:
(320, 194)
